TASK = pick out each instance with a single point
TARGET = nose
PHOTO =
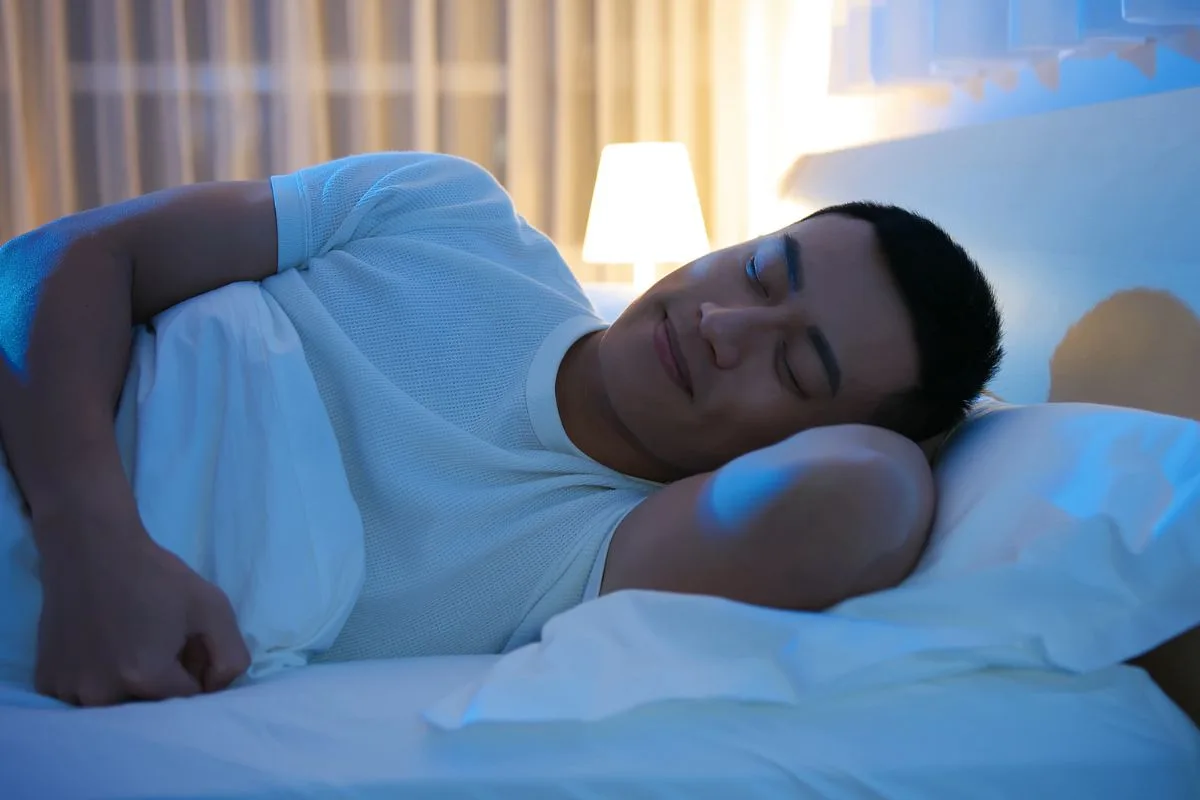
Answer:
(732, 332)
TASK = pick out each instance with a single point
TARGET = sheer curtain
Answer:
(105, 99)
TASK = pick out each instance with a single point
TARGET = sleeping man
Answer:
(748, 428)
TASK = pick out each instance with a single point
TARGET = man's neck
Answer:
(589, 419)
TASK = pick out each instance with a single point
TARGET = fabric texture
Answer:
(434, 319)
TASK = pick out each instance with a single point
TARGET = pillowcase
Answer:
(1079, 524)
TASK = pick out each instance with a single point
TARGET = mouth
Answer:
(666, 346)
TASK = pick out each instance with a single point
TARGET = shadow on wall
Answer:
(1139, 348)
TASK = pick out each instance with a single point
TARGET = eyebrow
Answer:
(828, 360)
(795, 271)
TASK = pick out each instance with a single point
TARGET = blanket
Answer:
(236, 470)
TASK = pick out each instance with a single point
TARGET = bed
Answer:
(356, 731)
(841, 709)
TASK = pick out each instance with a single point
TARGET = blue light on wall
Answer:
(1004, 58)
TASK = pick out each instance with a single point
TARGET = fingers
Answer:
(227, 664)
(94, 694)
(172, 680)
(227, 655)
(93, 691)
(194, 658)
(75, 686)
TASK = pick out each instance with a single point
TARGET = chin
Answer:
(623, 368)
(635, 383)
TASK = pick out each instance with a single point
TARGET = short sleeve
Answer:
(324, 207)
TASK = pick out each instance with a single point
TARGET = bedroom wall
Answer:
(1064, 210)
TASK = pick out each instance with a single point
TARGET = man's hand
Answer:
(123, 619)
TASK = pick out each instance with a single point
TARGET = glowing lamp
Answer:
(645, 210)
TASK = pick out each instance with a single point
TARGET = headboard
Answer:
(1088, 222)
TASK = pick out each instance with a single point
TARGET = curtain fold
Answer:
(102, 100)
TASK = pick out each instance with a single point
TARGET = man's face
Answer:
(753, 343)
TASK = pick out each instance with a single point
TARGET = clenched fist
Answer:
(123, 619)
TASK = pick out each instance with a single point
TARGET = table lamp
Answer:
(645, 210)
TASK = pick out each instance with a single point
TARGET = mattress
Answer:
(356, 731)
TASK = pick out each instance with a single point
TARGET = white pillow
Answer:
(1067, 539)
(1080, 524)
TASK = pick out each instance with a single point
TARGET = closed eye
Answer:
(786, 376)
(753, 276)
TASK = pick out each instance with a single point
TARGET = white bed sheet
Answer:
(355, 731)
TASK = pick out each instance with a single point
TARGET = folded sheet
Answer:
(236, 470)
(634, 648)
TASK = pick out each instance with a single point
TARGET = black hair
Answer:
(955, 319)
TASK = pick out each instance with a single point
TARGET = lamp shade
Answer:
(645, 208)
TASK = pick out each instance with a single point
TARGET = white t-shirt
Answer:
(434, 319)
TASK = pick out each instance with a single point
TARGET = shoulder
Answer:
(413, 177)
(820, 517)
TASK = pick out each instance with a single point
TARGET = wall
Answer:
(1063, 210)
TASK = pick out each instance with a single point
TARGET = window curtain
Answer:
(102, 100)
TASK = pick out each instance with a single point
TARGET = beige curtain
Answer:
(105, 99)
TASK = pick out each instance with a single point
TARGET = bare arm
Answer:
(82, 282)
(72, 291)
(826, 515)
